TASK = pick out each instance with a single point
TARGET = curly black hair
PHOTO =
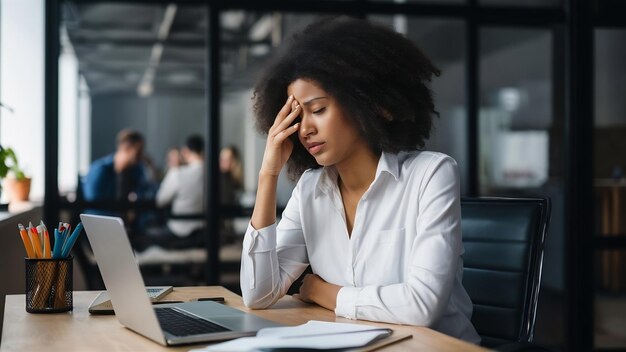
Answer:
(379, 77)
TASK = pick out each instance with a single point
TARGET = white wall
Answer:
(22, 85)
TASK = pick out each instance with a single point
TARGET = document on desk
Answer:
(312, 335)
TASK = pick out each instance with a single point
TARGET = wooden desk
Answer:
(80, 331)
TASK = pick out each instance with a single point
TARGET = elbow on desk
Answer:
(413, 317)
(421, 312)
(252, 302)
(428, 319)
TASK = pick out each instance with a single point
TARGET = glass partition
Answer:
(433, 36)
(128, 67)
(610, 185)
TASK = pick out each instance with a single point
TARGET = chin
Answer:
(323, 161)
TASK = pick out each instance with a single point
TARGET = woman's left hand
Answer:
(315, 290)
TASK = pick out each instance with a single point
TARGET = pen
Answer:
(66, 229)
(214, 299)
(58, 244)
(62, 237)
(69, 242)
(29, 246)
(166, 302)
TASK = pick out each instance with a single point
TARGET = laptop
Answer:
(167, 324)
(102, 303)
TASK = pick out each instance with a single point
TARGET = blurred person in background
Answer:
(121, 175)
(231, 175)
(182, 189)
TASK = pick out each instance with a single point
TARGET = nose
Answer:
(307, 127)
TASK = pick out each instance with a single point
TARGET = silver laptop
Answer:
(167, 324)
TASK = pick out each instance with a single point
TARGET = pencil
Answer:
(27, 245)
(34, 239)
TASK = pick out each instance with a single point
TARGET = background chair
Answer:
(504, 240)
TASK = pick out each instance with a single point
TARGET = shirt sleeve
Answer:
(168, 188)
(422, 298)
(273, 258)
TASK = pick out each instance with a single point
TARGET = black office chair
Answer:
(504, 240)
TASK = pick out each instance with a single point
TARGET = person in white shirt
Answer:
(182, 189)
(376, 218)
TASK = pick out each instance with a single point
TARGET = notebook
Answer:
(102, 303)
(167, 324)
(314, 335)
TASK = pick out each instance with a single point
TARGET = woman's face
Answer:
(324, 129)
(226, 160)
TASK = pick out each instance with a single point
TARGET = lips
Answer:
(314, 147)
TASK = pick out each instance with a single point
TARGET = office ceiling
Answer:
(144, 49)
(160, 49)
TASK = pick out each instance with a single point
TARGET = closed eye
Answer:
(319, 111)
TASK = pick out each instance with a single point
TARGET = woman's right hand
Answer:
(279, 146)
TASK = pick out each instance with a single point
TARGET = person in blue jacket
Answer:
(121, 175)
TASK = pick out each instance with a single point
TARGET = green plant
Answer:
(9, 163)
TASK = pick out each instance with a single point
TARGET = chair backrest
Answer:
(504, 240)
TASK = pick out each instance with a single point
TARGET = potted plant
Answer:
(16, 184)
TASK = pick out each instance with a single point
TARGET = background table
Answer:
(80, 331)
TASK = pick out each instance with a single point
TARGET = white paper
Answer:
(314, 334)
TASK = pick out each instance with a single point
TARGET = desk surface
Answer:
(80, 331)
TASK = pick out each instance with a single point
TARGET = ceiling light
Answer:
(145, 89)
(262, 28)
(146, 86)
(168, 19)
(232, 20)
(259, 49)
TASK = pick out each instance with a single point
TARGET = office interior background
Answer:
(531, 102)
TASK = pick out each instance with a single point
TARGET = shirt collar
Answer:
(388, 163)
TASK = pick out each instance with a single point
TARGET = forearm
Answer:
(315, 289)
(326, 295)
(264, 213)
(411, 303)
(259, 271)
(266, 272)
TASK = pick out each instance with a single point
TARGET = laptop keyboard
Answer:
(153, 292)
(180, 324)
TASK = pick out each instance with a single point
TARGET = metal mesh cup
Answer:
(49, 285)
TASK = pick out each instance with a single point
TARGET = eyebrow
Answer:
(310, 101)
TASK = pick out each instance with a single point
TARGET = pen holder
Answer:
(49, 284)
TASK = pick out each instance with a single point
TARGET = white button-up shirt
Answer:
(403, 261)
(183, 188)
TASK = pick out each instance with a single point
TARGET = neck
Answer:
(358, 172)
(194, 158)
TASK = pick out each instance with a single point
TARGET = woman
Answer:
(377, 220)
(231, 173)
